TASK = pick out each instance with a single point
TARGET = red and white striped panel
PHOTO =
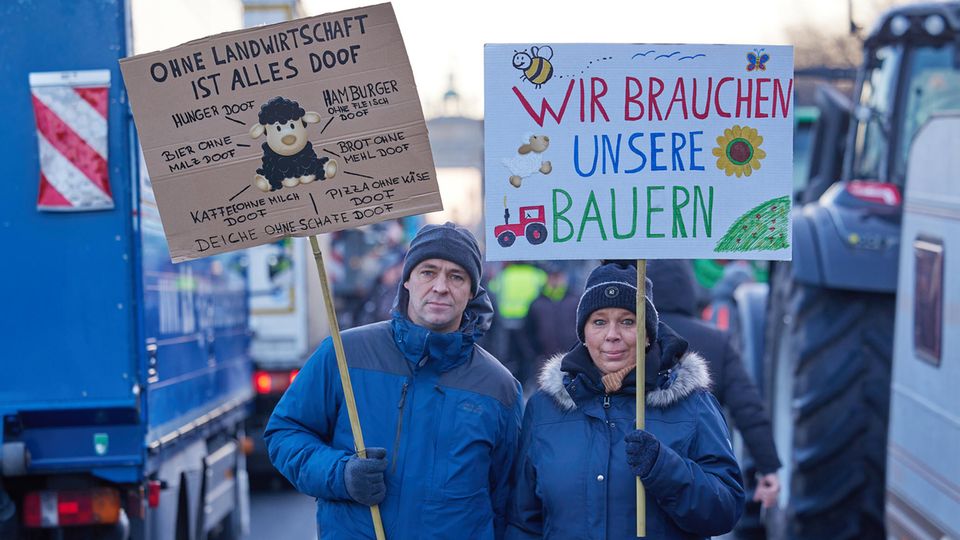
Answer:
(71, 112)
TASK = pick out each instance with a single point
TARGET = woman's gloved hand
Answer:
(364, 477)
(642, 451)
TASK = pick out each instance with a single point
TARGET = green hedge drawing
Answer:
(763, 228)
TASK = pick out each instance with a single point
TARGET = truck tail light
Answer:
(273, 382)
(263, 382)
(153, 493)
(75, 507)
(875, 192)
(32, 513)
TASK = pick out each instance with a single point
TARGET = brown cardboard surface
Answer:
(194, 106)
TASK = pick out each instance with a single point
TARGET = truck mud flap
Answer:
(219, 486)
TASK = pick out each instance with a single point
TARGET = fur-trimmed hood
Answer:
(684, 378)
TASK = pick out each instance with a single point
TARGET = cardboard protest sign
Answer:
(297, 128)
(633, 151)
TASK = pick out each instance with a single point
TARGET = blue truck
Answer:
(124, 379)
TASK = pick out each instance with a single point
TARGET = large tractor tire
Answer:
(830, 389)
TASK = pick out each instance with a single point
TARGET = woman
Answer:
(580, 453)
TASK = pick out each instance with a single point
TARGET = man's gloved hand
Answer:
(364, 477)
(642, 451)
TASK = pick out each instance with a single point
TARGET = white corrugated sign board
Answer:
(638, 151)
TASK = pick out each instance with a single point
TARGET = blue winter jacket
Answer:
(572, 477)
(446, 411)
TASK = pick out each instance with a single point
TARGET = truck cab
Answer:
(923, 474)
(126, 378)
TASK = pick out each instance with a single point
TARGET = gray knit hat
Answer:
(615, 285)
(449, 242)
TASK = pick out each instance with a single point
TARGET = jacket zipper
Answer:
(396, 440)
(606, 401)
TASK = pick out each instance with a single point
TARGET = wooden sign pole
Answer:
(344, 375)
(641, 385)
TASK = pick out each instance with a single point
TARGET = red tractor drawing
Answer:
(532, 226)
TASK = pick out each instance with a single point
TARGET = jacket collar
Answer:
(683, 378)
(446, 351)
(419, 345)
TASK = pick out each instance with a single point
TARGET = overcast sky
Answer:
(447, 37)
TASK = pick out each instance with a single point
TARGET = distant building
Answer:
(457, 143)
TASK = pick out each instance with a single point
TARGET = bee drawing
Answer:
(535, 65)
(757, 60)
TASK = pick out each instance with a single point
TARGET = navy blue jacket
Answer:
(446, 411)
(674, 292)
(572, 478)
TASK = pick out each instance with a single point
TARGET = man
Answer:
(675, 296)
(440, 416)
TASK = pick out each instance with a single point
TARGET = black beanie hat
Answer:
(615, 285)
(449, 242)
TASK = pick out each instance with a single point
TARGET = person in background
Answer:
(381, 300)
(676, 302)
(721, 303)
(580, 454)
(440, 416)
(513, 289)
(551, 320)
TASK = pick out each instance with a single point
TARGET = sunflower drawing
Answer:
(739, 151)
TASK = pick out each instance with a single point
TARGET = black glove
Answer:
(364, 477)
(642, 451)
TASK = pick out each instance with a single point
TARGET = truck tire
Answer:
(781, 416)
(228, 529)
(837, 346)
(182, 531)
(506, 239)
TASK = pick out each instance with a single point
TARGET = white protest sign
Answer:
(635, 151)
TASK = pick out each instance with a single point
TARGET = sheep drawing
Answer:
(288, 157)
(530, 159)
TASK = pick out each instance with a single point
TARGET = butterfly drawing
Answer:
(757, 60)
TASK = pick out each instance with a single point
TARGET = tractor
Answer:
(532, 226)
(827, 327)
